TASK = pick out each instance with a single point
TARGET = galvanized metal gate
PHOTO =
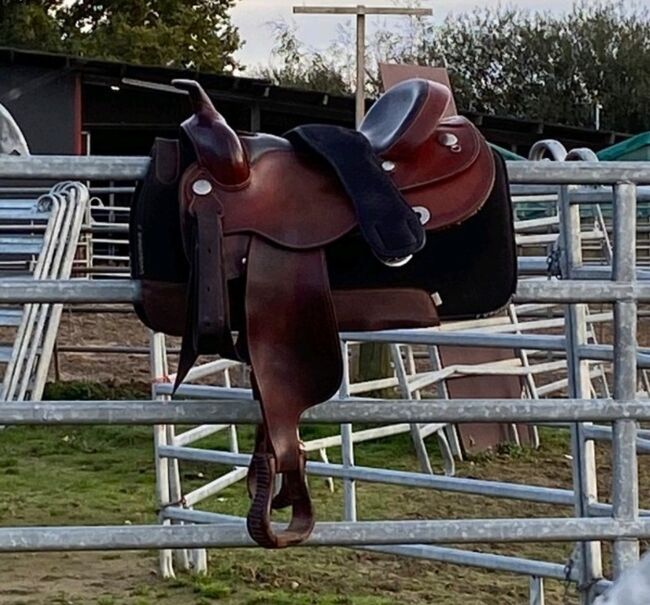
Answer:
(621, 522)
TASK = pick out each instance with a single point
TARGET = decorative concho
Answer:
(202, 187)
(447, 139)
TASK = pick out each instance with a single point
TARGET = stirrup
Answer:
(294, 492)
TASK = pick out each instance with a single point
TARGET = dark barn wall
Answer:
(126, 120)
(43, 103)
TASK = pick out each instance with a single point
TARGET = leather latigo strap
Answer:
(207, 329)
(295, 352)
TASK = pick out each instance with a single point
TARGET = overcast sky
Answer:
(251, 16)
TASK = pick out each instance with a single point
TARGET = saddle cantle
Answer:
(287, 240)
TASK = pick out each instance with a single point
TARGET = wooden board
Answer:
(393, 73)
(474, 436)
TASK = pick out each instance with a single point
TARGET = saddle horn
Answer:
(199, 100)
(216, 145)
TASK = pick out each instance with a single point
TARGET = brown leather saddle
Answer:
(287, 240)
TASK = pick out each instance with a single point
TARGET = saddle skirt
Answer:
(288, 240)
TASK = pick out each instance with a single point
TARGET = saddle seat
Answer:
(406, 116)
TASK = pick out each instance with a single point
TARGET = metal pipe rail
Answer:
(494, 489)
(496, 562)
(133, 168)
(356, 533)
(125, 291)
(335, 411)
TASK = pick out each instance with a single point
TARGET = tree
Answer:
(511, 62)
(173, 33)
(30, 24)
(301, 67)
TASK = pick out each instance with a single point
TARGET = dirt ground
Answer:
(107, 329)
(63, 579)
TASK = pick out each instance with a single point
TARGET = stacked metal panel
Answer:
(38, 239)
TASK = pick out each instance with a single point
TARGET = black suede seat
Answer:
(405, 116)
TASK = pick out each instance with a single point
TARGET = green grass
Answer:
(105, 475)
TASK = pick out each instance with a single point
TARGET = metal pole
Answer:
(347, 445)
(358, 533)
(61, 167)
(625, 487)
(536, 591)
(362, 411)
(582, 451)
(163, 499)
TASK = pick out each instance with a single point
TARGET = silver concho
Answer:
(202, 187)
(388, 166)
(447, 139)
(423, 214)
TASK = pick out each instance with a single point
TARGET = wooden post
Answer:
(374, 359)
(360, 90)
(360, 11)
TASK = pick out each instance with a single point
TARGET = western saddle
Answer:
(288, 240)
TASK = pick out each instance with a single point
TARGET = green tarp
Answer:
(636, 148)
(507, 155)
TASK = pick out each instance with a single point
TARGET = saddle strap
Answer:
(296, 358)
(207, 329)
(386, 220)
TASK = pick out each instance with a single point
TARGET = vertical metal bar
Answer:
(233, 439)
(528, 379)
(582, 450)
(536, 591)
(347, 445)
(442, 393)
(405, 390)
(360, 96)
(443, 443)
(156, 364)
(625, 486)
(168, 474)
